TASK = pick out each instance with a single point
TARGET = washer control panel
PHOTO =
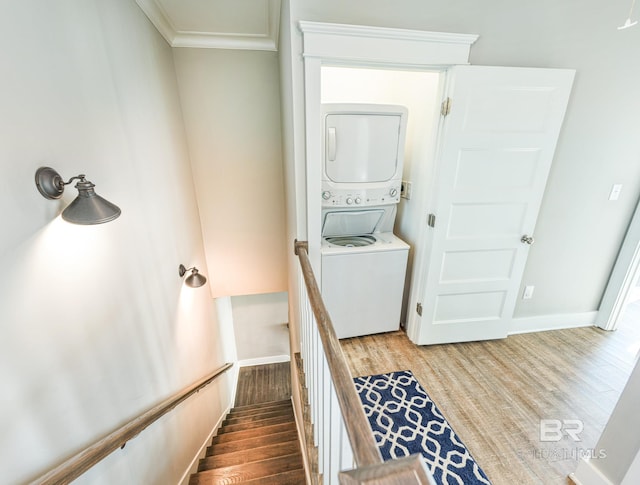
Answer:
(362, 197)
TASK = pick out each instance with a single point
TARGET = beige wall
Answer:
(231, 105)
(96, 325)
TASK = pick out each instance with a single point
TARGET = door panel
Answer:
(511, 168)
(496, 149)
(478, 220)
(474, 265)
(468, 307)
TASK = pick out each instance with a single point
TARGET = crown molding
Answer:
(214, 40)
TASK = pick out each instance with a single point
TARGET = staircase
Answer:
(257, 444)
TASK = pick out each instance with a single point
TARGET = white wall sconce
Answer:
(87, 208)
(195, 279)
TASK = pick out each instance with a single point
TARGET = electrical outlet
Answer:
(528, 292)
(405, 190)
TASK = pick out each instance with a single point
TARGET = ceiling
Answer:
(218, 24)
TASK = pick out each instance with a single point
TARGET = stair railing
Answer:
(341, 430)
(79, 463)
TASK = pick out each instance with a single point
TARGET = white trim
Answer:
(206, 40)
(622, 277)
(273, 359)
(386, 33)
(158, 17)
(192, 468)
(363, 44)
(214, 40)
(587, 474)
(561, 321)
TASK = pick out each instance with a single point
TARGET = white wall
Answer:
(97, 327)
(231, 104)
(579, 231)
(619, 444)
(260, 323)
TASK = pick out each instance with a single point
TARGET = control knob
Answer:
(393, 192)
(349, 200)
(326, 195)
(358, 200)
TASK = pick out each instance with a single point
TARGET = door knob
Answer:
(527, 239)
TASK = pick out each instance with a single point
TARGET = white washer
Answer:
(363, 273)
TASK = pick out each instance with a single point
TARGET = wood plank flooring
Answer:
(263, 383)
(495, 393)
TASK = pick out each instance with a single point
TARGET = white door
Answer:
(496, 148)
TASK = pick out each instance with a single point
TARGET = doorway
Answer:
(624, 277)
(420, 91)
(477, 91)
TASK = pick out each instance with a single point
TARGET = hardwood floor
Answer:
(263, 383)
(495, 393)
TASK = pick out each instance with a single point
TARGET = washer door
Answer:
(344, 223)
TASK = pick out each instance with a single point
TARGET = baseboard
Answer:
(543, 323)
(587, 474)
(193, 466)
(273, 359)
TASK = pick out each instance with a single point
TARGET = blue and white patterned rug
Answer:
(405, 421)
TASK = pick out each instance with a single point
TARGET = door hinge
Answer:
(431, 220)
(445, 109)
(419, 308)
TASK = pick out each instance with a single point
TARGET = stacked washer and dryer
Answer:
(363, 262)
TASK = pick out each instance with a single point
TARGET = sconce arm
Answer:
(81, 177)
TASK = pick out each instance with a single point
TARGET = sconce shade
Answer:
(87, 208)
(195, 279)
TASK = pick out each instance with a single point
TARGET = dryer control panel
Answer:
(360, 198)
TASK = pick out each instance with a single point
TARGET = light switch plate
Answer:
(615, 192)
(528, 292)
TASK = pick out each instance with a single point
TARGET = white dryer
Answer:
(363, 270)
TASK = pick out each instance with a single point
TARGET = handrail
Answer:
(365, 451)
(79, 463)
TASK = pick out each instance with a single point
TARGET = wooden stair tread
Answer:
(231, 428)
(250, 471)
(253, 433)
(292, 477)
(259, 408)
(248, 455)
(262, 404)
(255, 442)
(288, 411)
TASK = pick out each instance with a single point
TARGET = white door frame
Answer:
(623, 277)
(360, 46)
